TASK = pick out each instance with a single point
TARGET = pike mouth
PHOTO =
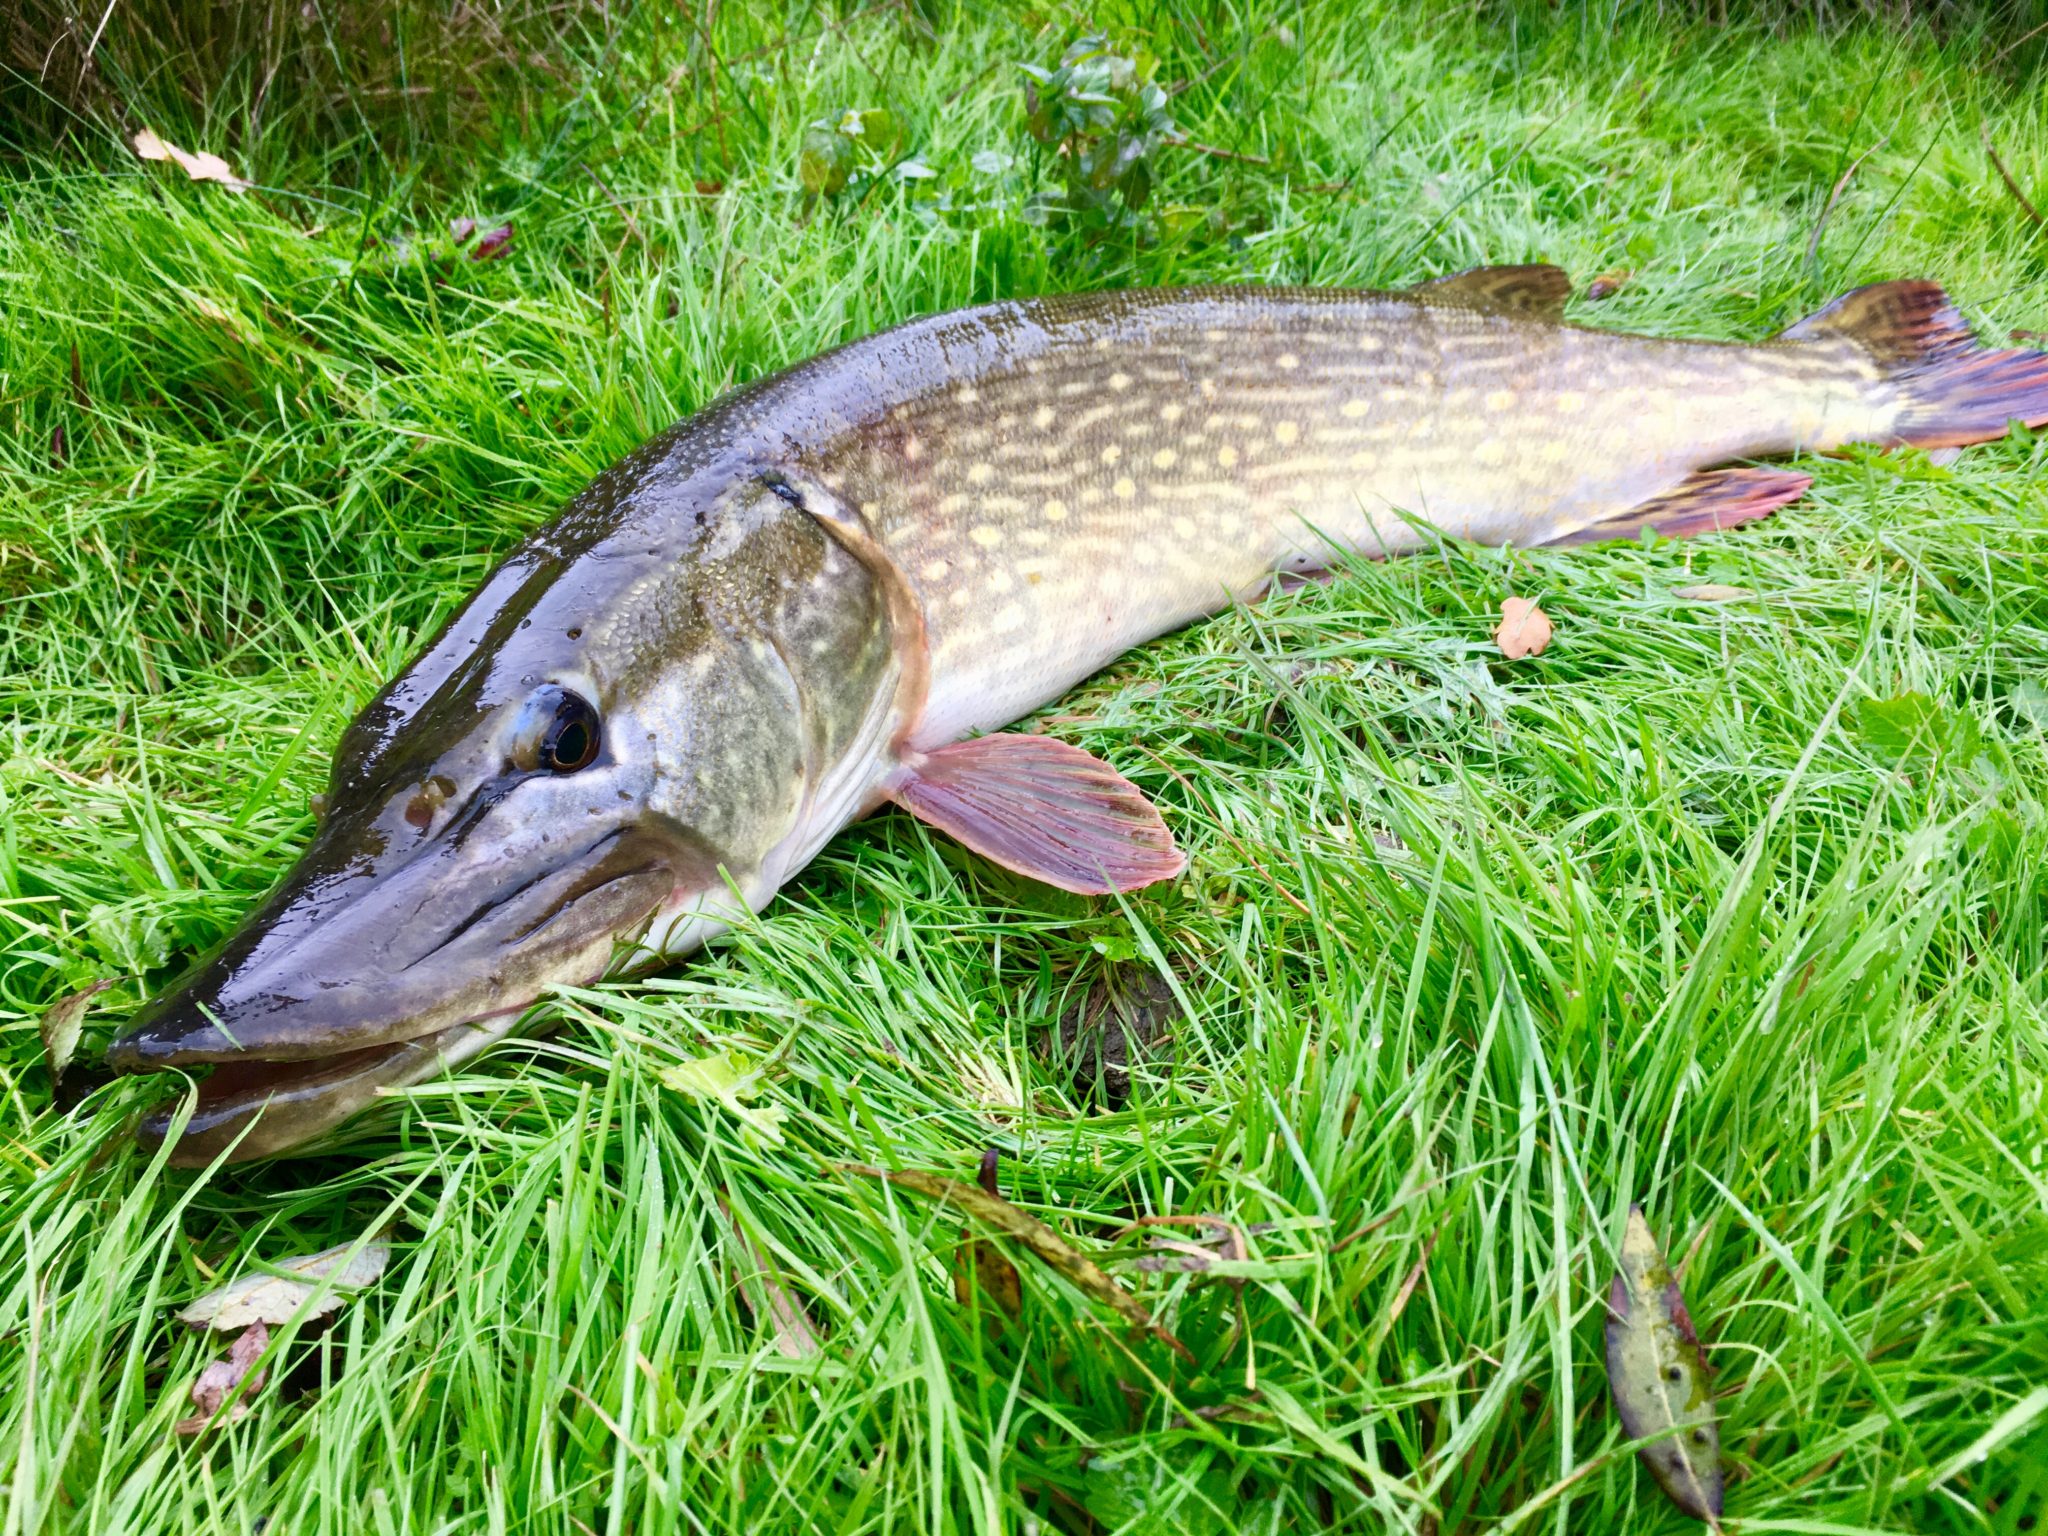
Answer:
(256, 1108)
(319, 1005)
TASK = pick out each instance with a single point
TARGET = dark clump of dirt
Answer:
(1124, 1018)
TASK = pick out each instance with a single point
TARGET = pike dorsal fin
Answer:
(1536, 289)
(1905, 324)
(1042, 808)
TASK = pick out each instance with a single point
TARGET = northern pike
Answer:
(830, 589)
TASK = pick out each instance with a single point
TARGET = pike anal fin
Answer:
(1044, 809)
(1705, 502)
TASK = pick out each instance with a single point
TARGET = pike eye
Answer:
(558, 732)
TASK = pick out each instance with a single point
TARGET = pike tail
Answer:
(1953, 392)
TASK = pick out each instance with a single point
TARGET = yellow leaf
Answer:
(730, 1080)
(200, 167)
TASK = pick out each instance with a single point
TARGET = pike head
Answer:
(654, 710)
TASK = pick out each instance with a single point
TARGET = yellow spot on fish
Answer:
(979, 474)
(1287, 360)
(961, 597)
(1368, 343)
(1183, 528)
(913, 450)
(1007, 618)
(1287, 431)
(1501, 400)
(1042, 417)
(1037, 538)
(870, 508)
(1119, 380)
(1000, 581)
(1111, 454)
(1356, 408)
(967, 394)
(1393, 394)
(1055, 510)
(1491, 452)
(986, 536)
(1555, 451)
(1125, 487)
(1208, 389)
(1163, 459)
(935, 570)
(1170, 411)
(1226, 456)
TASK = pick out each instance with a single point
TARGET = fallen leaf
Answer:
(1711, 592)
(1080, 1271)
(981, 1263)
(730, 1080)
(796, 1336)
(218, 1382)
(261, 1297)
(1608, 284)
(494, 244)
(62, 1021)
(1224, 1245)
(1659, 1376)
(1524, 629)
(200, 167)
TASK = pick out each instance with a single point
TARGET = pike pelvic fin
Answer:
(1044, 809)
(1954, 392)
(1706, 502)
(1535, 288)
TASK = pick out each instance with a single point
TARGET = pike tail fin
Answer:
(1954, 393)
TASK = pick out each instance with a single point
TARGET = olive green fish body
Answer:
(809, 597)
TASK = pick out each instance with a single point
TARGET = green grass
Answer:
(1473, 953)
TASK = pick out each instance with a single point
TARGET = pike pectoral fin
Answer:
(1706, 502)
(1044, 809)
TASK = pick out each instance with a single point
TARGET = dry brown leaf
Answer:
(1524, 629)
(1711, 592)
(1080, 1271)
(62, 1021)
(200, 167)
(219, 1381)
(796, 1336)
(276, 1298)
(979, 1262)
(1659, 1376)
(1608, 284)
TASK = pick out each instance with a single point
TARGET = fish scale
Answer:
(810, 597)
(1079, 474)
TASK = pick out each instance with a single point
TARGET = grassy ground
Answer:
(1733, 910)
